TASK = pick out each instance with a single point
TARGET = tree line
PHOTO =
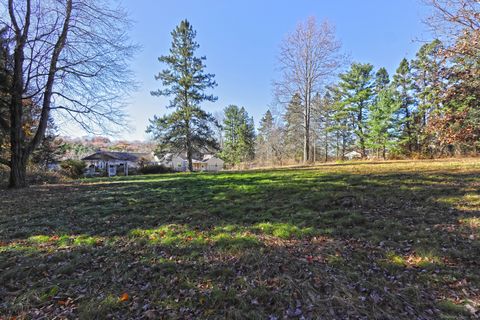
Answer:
(67, 61)
(428, 108)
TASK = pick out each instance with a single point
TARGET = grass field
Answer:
(389, 240)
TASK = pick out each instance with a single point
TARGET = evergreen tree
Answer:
(51, 149)
(239, 143)
(270, 143)
(428, 88)
(188, 128)
(355, 92)
(381, 122)
(382, 80)
(264, 138)
(326, 124)
(341, 129)
(294, 131)
(403, 84)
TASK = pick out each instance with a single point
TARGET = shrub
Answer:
(4, 171)
(38, 175)
(155, 169)
(35, 175)
(73, 168)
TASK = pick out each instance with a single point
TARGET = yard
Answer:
(388, 240)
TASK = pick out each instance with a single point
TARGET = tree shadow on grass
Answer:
(400, 245)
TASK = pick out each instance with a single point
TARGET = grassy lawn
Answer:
(396, 240)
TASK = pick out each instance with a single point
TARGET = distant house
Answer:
(212, 163)
(112, 162)
(352, 155)
(179, 162)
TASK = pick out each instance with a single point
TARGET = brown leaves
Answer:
(124, 297)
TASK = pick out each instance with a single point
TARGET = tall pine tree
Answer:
(239, 136)
(270, 142)
(188, 127)
(355, 93)
(381, 116)
(381, 123)
(404, 85)
(428, 89)
(294, 128)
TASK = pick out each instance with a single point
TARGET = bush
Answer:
(35, 175)
(73, 168)
(155, 169)
(38, 175)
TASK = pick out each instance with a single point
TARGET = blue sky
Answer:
(241, 41)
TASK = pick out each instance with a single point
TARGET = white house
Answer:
(179, 162)
(213, 163)
(352, 155)
(114, 161)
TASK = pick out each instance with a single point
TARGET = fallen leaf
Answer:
(124, 297)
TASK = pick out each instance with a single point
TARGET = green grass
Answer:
(387, 240)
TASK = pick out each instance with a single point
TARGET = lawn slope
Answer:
(388, 240)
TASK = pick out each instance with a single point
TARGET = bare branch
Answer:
(309, 58)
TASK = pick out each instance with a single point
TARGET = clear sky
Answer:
(240, 39)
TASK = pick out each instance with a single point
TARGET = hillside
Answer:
(389, 240)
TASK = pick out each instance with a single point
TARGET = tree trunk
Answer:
(306, 140)
(18, 170)
(314, 148)
(189, 158)
(326, 146)
(189, 151)
(362, 147)
(19, 156)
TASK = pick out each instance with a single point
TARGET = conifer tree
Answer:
(188, 127)
(294, 130)
(382, 80)
(403, 84)
(355, 92)
(239, 136)
(270, 143)
(428, 88)
(381, 123)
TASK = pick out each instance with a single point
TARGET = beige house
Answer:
(212, 163)
(353, 155)
(179, 162)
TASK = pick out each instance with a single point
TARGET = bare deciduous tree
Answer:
(69, 58)
(457, 23)
(308, 58)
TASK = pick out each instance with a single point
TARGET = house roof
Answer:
(208, 157)
(169, 156)
(352, 154)
(123, 156)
